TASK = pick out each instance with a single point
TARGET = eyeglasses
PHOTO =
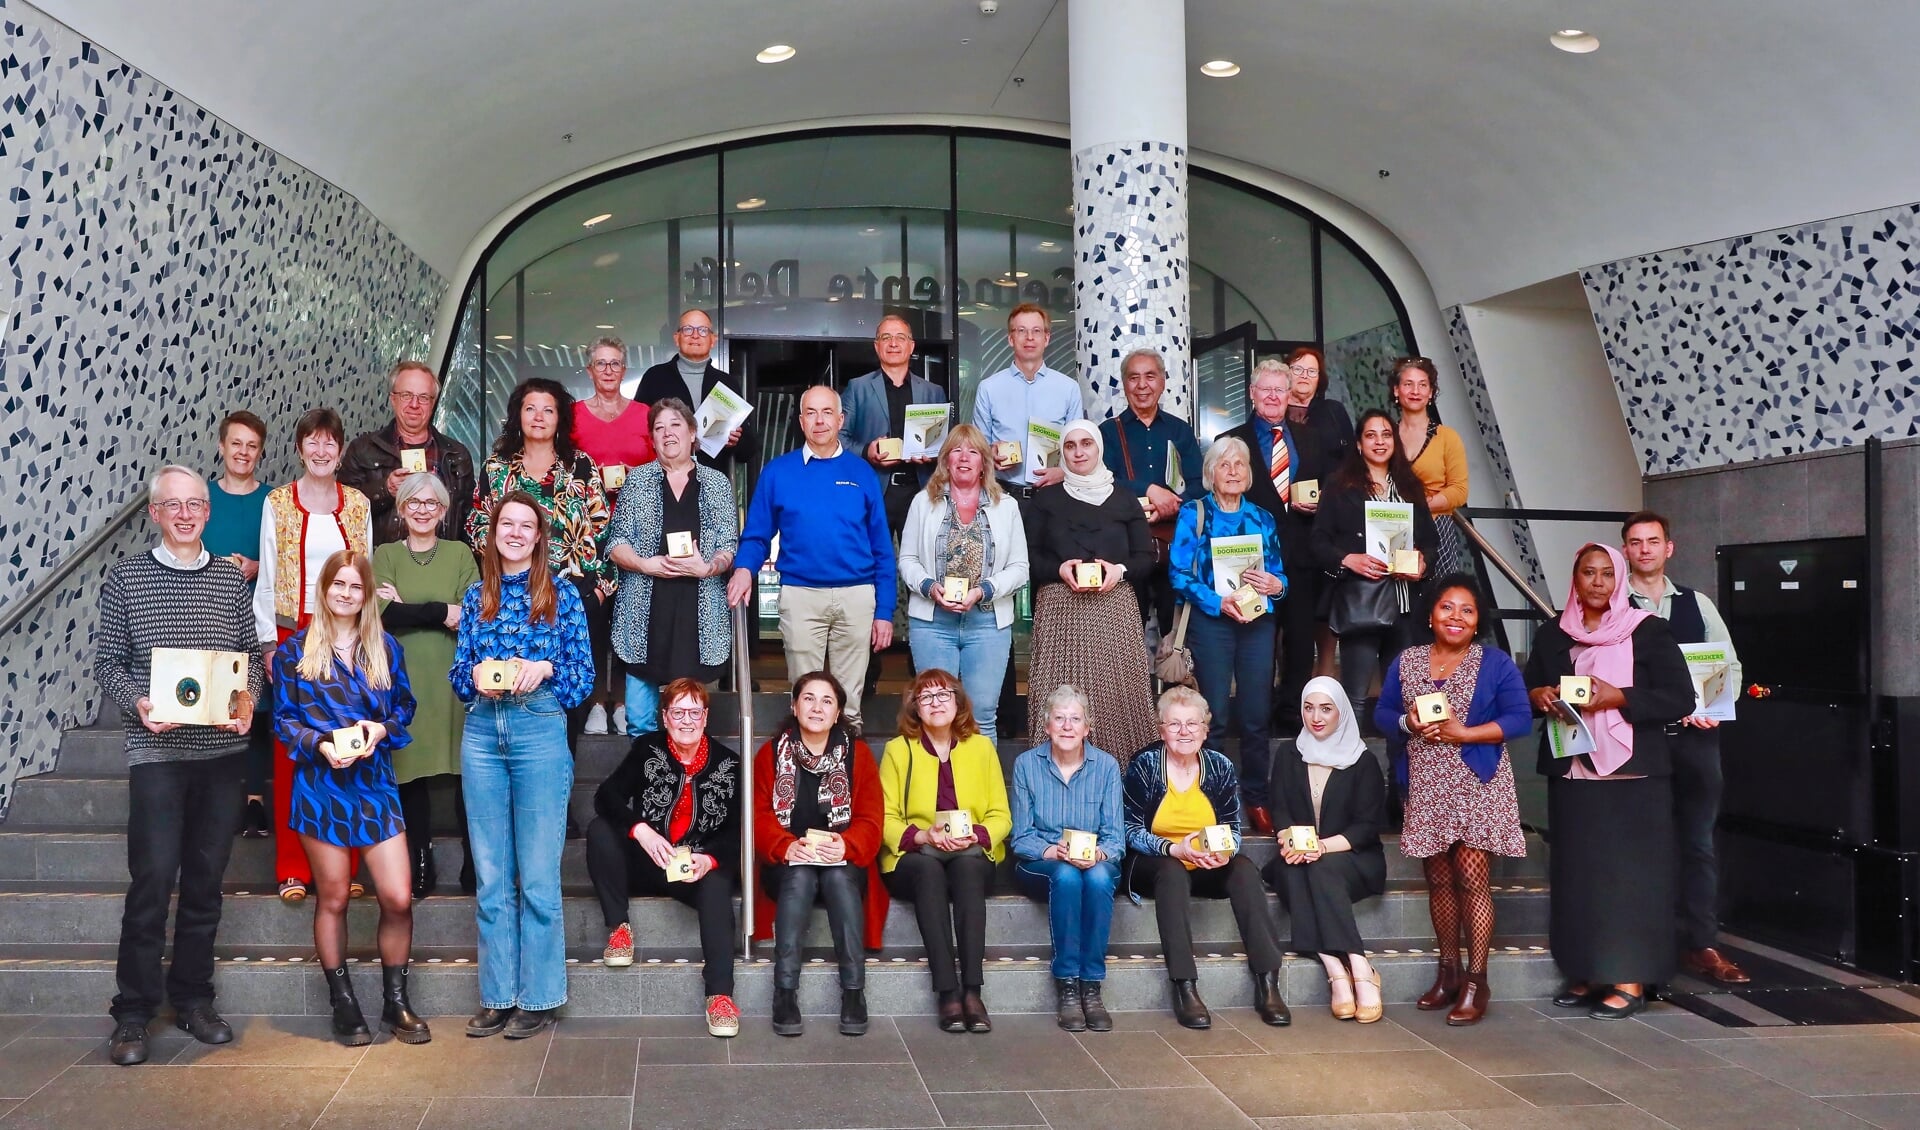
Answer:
(421, 505)
(1183, 727)
(687, 713)
(1303, 371)
(935, 697)
(175, 506)
(607, 366)
(1029, 331)
(894, 339)
(696, 331)
(414, 397)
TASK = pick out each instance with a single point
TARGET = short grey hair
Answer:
(1270, 365)
(1159, 362)
(1064, 694)
(1220, 449)
(153, 484)
(600, 343)
(409, 365)
(1177, 696)
(671, 404)
(422, 482)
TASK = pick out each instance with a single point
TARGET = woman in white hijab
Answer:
(1086, 544)
(1331, 786)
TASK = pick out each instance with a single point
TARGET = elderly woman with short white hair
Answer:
(1226, 570)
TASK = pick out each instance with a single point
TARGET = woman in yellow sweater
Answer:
(1438, 458)
(947, 823)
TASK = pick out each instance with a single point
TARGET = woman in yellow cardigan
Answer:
(947, 823)
(1438, 456)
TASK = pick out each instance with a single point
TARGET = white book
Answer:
(1715, 692)
(1389, 529)
(1043, 447)
(1176, 481)
(1233, 556)
(926, 428)
(718, 414)
(1567, 732)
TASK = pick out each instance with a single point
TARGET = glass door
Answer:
(1223, 376)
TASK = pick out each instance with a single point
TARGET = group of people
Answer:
(588, 563)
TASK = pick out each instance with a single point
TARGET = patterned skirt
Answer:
(1453, 556)
(1094, 641)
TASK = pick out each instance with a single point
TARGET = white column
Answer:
(1127, 62)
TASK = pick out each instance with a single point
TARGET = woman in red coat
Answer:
(817, 818)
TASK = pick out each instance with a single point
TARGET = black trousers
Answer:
(932, 885)
(620, 870)
(1172, 887)
(1319, 898)
(181, 820)
(1697, 785)
(600, 636)
(1155, 594)
(416, 809)
(794, 889)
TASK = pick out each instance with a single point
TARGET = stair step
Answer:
(56, 983)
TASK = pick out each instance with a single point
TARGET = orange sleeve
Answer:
(1454, 455)
(770, 840)
(869, 808)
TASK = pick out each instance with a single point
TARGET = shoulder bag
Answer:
(1161, 532)
(1172, 659)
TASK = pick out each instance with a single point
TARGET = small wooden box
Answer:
(1250, 603)
(1006, 453)
(818, 836)
(954, 822)
(1306, 492)
(1146, 507)
(1428, 708)
(1576, 689)
(680, 544)
(680, 867)
(1217, 838)
(613, 476)
(413, 460)
(1302, 838)
(1406, 562)
(954, 589)
(350, 742)
(1087, 575)
(1083, 847)
(496, 674)
(888, 447)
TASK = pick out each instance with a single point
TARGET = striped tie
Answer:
(1280, 471)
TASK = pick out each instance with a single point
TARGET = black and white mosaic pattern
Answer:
(1130, 276)
(160, 269)
(1772, 344)
(1358, 367)
(1506, 488)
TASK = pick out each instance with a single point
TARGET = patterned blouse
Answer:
(358, 806)
(513, 635)
(638, 524)
(576, 513)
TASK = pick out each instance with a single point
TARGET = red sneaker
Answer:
(723, 1017)
(619, 951)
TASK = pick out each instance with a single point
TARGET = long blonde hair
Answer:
(972, 437)
(316, 653)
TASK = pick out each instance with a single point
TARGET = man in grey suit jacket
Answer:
(876, 406)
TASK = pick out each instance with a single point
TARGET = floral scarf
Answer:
(836, 780)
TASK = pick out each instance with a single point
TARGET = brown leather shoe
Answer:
(1445, 990)
(1259, 820)
(1473, 1001)
(1710, 964)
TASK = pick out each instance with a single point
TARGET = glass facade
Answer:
(812, 237)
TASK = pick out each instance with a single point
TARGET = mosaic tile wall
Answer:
(1771, 344)
(1357, 366)
(1130, 276)
(161, 269)
(1460, 337)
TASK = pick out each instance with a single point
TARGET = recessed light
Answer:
(750, 203)
(1220, 68)
(1048, 245)
(607, 260)
(600, 219)
(778, 53)
(1004, 280)
(604, 327)
(503, 337)
(1575, 41)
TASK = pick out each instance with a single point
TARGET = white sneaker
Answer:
(597, 720)
(620, 720)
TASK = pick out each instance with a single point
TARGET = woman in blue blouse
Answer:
(1068, 784)
(343, 673)
(1461, 808)
(514, 766)
(1231, 647)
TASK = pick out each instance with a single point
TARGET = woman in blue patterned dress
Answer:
(343, 673)
(515, 770)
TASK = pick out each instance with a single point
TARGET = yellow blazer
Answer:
(910, 780)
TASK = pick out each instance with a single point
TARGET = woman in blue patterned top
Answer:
(341, 707)
(515, 770)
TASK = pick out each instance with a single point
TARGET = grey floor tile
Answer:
(7, 1105)
(1315, 1030)
(453, 1064)
(599, 1027)
(1557, 1090)
(12, 1027)
(1433, 1120)
(26, 1065)
(682, 1049)
(585, 1068)
(286, 1041)
(1224, 1038)
(1872, 1061)
(373, 1114)
(1891, 1112)
(1617, 1117)
(988, 1108)
(1139, 1110)
(1678, 1022)
(823, 1042)
(1351, 1083)
(782, 1097)
(520, 1113)
(1140, 1059)
(1649, 1045)
(1024, 1053)
(1729, 1098)
(1512, 1041)
(148, 1098)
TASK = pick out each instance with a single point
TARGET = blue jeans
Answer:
(517, 776)
(1079, 911)
(1228, 654)
(643, 706)
(970, 645)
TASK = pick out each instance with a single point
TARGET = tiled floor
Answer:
(1520, 1069)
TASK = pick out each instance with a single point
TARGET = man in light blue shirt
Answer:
(1025, 391)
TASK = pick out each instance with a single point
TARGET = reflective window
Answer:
(1363, 330)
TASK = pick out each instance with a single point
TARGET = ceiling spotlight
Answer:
(1048, 245)
(1575, 41)
(778, 53)
(750, 203)
(606, 260)
(603, 327)
(1220, 68)
(503, 337)
(600, 219)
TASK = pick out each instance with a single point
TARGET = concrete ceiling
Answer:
(1510, 162)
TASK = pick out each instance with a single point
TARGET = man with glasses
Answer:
(1149, 453)
(184, 782)
(1022, 393)
(877, 410)
(691, 375)
(375, 463)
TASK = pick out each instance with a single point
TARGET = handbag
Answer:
(1172, 659)
(1361, 605)
(1160, 532)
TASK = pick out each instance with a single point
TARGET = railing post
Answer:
(743, 684)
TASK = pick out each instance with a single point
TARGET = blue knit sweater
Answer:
(832, 523)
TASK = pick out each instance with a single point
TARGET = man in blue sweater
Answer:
(836, 555)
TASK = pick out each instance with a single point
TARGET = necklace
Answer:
(1440, 670)
(423, 561)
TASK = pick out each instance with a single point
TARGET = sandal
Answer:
(356, 890)
(292, 891)
(1368, 1013)
(1342, 1010)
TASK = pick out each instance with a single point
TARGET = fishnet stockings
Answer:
(1458, 880)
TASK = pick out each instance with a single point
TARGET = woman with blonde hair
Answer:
(963, 528)
(341, 706)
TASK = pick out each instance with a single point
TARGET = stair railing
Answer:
(17, 608)
(743, 683)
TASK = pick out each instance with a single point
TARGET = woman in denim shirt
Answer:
(514, 766)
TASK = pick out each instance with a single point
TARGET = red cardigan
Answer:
(770, 838)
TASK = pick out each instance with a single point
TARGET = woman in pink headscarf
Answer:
(1610, 809)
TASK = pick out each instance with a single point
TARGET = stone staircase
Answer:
(63, 878)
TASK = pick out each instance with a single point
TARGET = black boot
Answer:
(349, 1025)
(397, 1013)
(1188, 1008)
(425, 875)
(1069, 1015)
(786, 1012)
(853, 1012)
(1098, 1018)
(1267, 1000)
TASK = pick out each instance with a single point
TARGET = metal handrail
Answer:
(1519, 582)
(17, 608)
(743, 683)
